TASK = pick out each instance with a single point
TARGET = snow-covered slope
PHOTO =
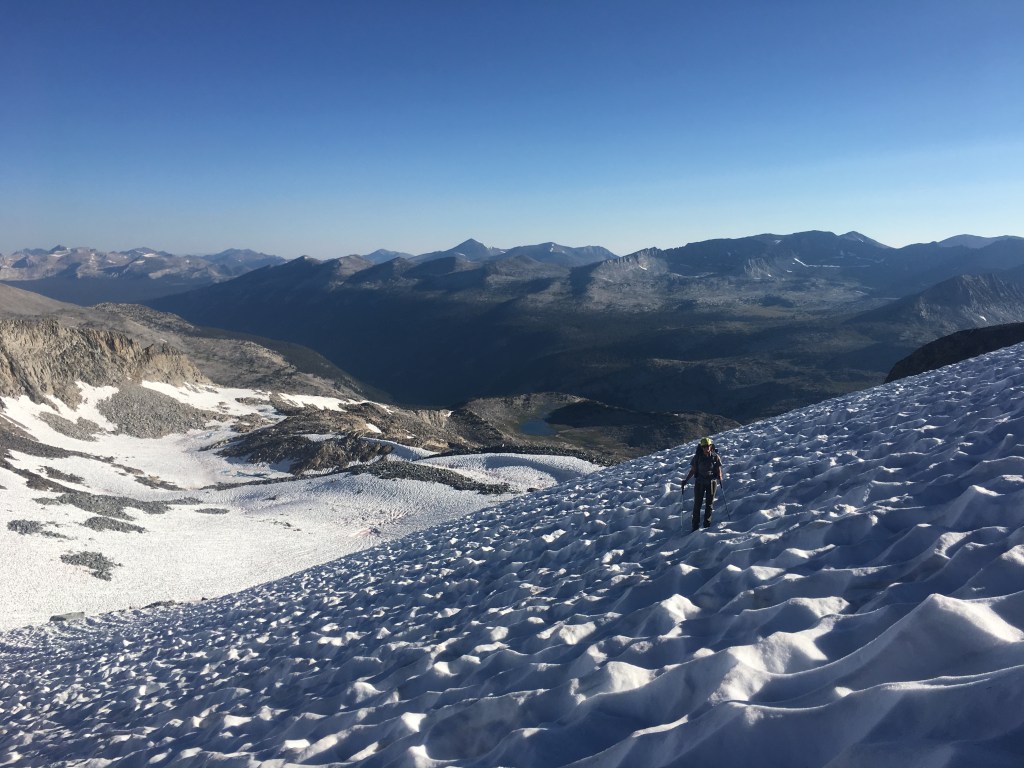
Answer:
(94, 520)
(860, 602)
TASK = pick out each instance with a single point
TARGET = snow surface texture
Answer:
(859, 602)
(139, 521)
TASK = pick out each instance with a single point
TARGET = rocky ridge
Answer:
(956, 347)
(44, 358)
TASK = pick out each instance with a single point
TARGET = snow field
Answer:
(212, 532)
(860, 601)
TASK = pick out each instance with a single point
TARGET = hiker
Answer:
(706, 466)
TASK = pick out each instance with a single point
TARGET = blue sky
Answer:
(333, 127)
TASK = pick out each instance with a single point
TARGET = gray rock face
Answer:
(223, 358)
(43, 358)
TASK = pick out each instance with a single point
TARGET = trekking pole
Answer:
(682, 504)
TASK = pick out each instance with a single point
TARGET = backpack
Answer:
(698, 456)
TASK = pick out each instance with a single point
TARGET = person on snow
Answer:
(706, 466)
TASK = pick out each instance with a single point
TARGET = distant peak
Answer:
(474, 250)
(858, 237)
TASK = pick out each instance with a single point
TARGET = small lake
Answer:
(537, 428)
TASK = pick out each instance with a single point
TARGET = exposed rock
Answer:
(250, 422)
(99, 565)
(14, 438)
(229, 359)
(25, 527)
(33, 527)
(63, 477)
(142, 412)
(83, 429)
(65, 617)
(956, 347)
(108, 506)
(237, 362)
(18, 302)
(44, 358)
(107, 524)
(960, 303)
(405, 470)
(151, 481)
(297, 441)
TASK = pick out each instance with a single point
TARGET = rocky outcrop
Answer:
(44, 358)
(956, 347)
(226, 359)
(281, 445)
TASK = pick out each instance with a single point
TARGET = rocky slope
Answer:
(960, 303)
(44, 358)
(956, 347)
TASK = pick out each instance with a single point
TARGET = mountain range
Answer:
(88, 276)
(545, 253)
(744, 328)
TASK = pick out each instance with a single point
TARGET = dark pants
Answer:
(703, 493)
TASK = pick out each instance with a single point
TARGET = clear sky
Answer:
(329, 127)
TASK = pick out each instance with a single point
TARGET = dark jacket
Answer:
(706, 466)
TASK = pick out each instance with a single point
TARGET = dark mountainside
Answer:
(958, 346)
(966, 301)
(744, 328)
